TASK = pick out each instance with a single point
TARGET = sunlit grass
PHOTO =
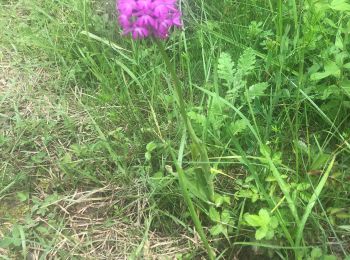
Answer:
(88, 119)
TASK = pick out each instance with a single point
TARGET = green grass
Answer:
(97, 163)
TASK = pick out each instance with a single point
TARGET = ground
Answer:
(40, 200)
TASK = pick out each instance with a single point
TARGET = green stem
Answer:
(204, 160)
(194, 216)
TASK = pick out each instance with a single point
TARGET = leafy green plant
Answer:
(317, 253)
(223, 222)
(264, 222)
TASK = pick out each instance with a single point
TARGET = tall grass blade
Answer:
(315, 196)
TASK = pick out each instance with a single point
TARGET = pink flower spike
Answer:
(143, 18)
(124, 21)
(144, 4)
(177, 19)
(126, 7)
(139, 33)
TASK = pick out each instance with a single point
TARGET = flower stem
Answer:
(198, 144)
(194, 216)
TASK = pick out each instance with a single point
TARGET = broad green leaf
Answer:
(330, 91)
(345, 85)
(319, 161)
(252, 220)
(345, 227)
(196, 185)
(264, 217)
(151, 146)
(330, 69)
(22, 196)
(148, 156)
(319, 75)
(218, 199)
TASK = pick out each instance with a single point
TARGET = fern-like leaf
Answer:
(226, 69)
(257, 90)
(246, 63)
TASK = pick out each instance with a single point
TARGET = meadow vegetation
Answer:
(92, 141)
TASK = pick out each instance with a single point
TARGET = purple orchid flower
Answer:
(143, 18)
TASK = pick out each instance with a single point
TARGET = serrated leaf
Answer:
(197, 118)
(226, 69)
(217, 230)
(214, 214)
(257, 90)
(264, 217)
(303, 186)
(218, 200)
(255, 197)
(246, 63)
(261, 233)
(238, 126)
(226, 216)
(227, 200)
(270, 234)
(274, 222)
